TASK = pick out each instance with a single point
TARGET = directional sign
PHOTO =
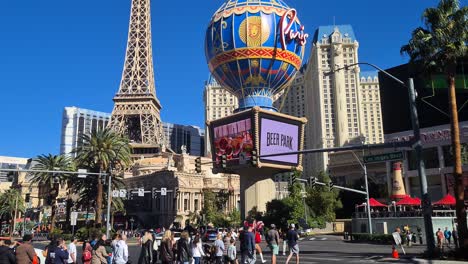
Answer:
(163, 191)
(73, 217)
(122, 193)
(384, 157)
(84, 171)
(115, 193)
(141, 192)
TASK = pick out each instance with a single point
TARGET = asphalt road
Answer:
(322, 249)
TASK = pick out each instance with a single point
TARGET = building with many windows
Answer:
(219, 103)
(370, 108)
(190, 139)
(334, 102)
(76, 122)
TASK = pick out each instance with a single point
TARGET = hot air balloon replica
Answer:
(254, 48)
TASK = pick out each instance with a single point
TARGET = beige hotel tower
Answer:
(341, 107)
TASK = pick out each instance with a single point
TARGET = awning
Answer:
(409, 201)
(373, 203)
(447, 200)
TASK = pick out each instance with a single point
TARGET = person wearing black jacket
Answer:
(166, 249)
(146, 253)
(184, 251)
(6, 254)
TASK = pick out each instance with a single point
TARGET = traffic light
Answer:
(330, 185)
(27, 198)
(154, 193)
(312, 181)
(198, 165)
(224, 161)
(254, 158)
(292, 178)
(130, 195)
(103, 179)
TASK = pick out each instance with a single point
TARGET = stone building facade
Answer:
(185, 189)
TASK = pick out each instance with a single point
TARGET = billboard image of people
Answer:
(233, 138)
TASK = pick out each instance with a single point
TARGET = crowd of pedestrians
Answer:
(188, 249)
(444, 238)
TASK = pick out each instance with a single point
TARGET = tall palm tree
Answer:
(11, 201)
(100, 152)
(439, 45)
(51, 180)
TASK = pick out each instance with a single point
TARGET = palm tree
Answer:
(11, 201)
(439, 46)
(100, 152)
(51, 180)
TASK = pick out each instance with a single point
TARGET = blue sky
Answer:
(56, 53)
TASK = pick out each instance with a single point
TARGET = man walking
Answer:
(72, 250)
(121, 250)
(273, 242)
(292, 238)
(447, 235)
(455, 237)
(25, 252)
(248, 249)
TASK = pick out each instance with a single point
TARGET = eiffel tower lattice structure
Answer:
(136, 112)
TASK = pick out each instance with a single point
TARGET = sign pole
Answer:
(426, 200)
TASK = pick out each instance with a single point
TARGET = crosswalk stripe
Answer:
(323, 238)
(312, 238)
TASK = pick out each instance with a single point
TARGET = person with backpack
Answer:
(49, 252)
(184, 251)
(87, 255)
(232, 253)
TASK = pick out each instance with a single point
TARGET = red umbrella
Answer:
(409, 201)
(447, 200)
(373, 203)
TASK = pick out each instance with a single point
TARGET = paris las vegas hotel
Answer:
(344, 108)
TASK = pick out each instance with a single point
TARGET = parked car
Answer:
(159, 236)
(210, 235)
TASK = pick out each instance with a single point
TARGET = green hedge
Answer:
(375, 238)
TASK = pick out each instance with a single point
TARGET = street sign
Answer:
(163, 191)
(84, 171)
(73, 218)
(384, 157)
(122, 193)
(115, 193)
(141, 192)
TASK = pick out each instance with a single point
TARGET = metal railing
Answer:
(413, 213)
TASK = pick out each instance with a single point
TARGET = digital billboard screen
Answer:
(231, 139)
(279, 135)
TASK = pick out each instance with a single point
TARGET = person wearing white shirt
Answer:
(121, 251)
(72, 250)
(197, 249)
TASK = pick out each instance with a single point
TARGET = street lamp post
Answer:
(426, 201)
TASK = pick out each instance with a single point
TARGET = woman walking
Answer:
(99, 253)
(167, 253)
(197, 249)
(146, 253)
(184, 251)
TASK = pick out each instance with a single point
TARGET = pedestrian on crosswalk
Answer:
(272, 239)
(292, 238)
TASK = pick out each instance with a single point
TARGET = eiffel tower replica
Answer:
(136, 112)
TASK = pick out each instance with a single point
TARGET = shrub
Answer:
(375, 238)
